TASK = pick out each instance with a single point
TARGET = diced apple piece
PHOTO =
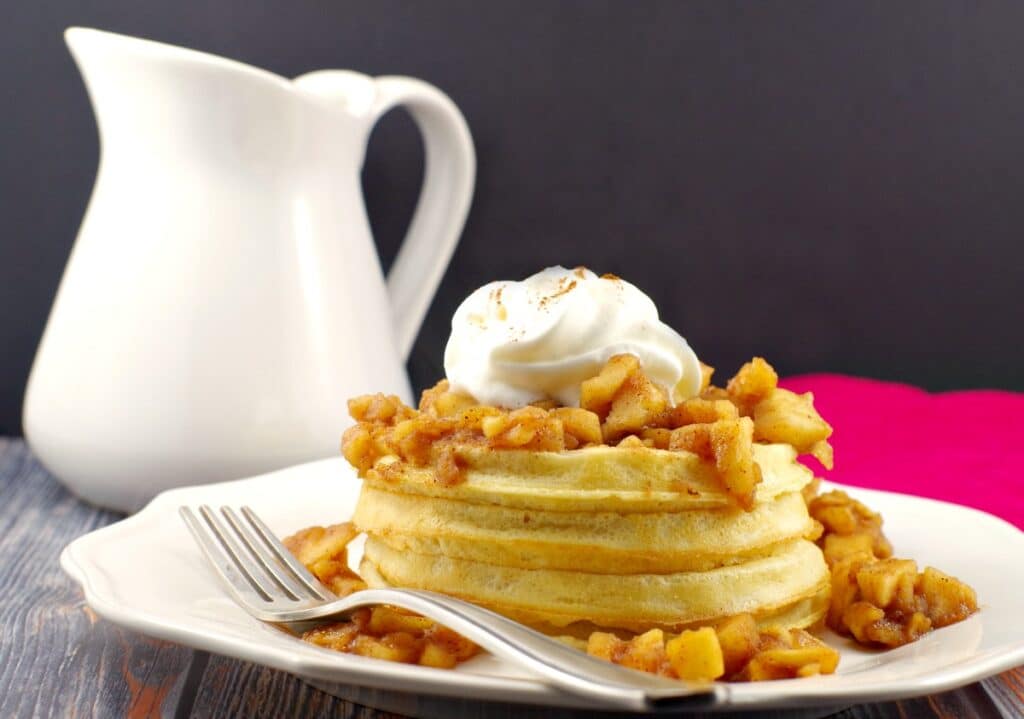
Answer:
(696, 655)
(949, 600)
(738, 638)
(790, 418)
(755, 382)
(437, 656)
(879, 581)
(597, 392)
(581, 423)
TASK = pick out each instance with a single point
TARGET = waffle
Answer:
(609, 537)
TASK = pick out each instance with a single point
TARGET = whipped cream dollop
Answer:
(513, 343)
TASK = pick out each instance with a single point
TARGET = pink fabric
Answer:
(964, 447)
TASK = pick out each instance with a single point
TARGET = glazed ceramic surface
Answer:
(224, 297)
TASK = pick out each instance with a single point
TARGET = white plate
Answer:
(145, 573)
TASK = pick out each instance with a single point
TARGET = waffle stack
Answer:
(602, 537)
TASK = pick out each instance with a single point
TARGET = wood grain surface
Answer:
(58, 659)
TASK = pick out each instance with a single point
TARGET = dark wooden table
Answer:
(57, 659)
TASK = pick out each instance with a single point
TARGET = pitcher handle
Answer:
(448, 179)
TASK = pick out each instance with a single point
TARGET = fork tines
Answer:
(257, 568)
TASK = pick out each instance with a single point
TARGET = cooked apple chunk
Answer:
(783, 416)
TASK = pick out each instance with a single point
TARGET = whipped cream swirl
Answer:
(513, 343)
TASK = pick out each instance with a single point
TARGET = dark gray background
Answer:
(837, 186)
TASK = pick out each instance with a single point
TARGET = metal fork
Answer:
(268, 582)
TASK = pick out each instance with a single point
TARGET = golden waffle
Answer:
(597, 542)
(793, 577)
(600, 478)
(625, 538)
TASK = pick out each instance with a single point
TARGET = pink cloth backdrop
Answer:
(965, 447)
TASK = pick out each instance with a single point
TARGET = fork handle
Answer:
(549, 659)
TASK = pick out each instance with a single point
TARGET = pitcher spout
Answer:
(162, 97)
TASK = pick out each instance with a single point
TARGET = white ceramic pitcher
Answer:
(224, 298)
